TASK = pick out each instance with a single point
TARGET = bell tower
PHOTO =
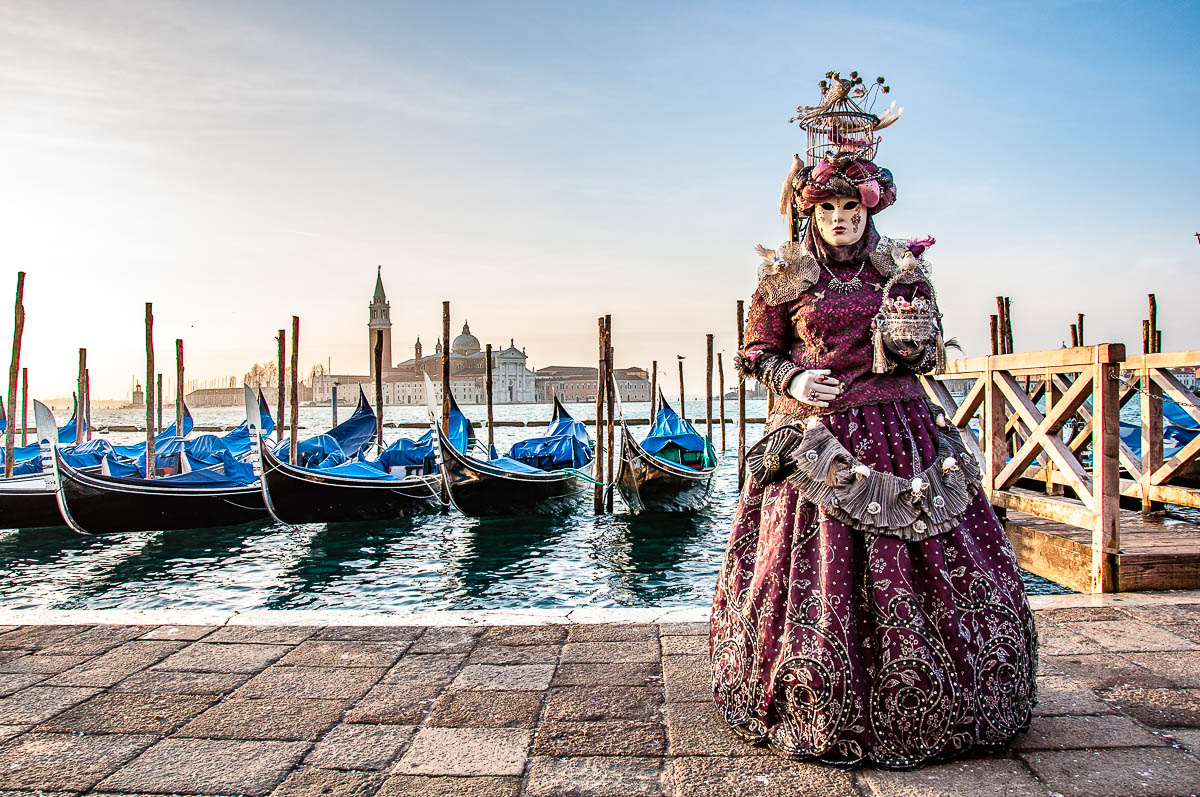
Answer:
(380, 321)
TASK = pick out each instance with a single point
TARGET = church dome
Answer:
(466, 343)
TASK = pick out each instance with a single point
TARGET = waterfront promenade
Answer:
(589, 702)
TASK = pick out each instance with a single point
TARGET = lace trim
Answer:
(876, 502)
(785, 274)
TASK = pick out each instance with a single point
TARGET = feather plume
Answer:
(788, 192)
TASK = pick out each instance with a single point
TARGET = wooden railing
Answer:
(1015, 434)
(1150, 478)
(1066, 461)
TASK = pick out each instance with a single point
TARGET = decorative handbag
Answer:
(774, 456)
(917, 321)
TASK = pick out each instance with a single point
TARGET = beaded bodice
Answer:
(826, 326)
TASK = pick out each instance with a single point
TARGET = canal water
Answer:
(432, 562)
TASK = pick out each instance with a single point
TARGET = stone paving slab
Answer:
(547, 703)
(1006, 777)
(208, 766)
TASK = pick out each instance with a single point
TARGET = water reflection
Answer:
(335, 557)
(499, 560)
(646, 556)
(53, 566)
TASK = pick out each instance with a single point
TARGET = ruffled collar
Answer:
(787, 272)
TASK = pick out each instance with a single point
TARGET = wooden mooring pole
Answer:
(378, 360)
(1074, 336)
(293, 447)
(682, 406)
(994, 324)
(81, 416)
(282, 388)
(1079, 323)
(708, 379)
(653, 390)
(1155, 334)
(150, 460)
(87, 402)
(741, 395)
(487, 390)
(609, 402)
(24, 405)
(179, 388)
(445, 394)
(158, 402)
(13, 365)
(1003, 348)
(721, 391)
(598, 489)
(1008, 329)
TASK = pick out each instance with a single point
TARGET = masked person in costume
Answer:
(869, 609)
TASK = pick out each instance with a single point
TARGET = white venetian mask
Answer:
(841, 221)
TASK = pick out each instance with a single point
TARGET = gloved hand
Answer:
(814, 387)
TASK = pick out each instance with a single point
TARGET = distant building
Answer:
(754, 390)
(236, 396)
(404, 383)
(1186, 376)
(578, 383)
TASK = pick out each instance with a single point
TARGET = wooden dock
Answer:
(1049, 442)
(1156, 552)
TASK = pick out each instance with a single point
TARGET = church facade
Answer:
(404, 382)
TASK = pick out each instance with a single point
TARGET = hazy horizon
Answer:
(542, 164)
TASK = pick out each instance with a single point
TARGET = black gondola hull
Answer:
(295, 495)
(479, 490)
(97, 504)
(647, 484)
(27, 503)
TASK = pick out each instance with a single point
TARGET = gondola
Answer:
(93, 503)
(504, 486)
(28, 502)
(649, 481)
(348, 491)
(301, 495)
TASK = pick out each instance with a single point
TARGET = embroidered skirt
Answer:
(852, 647)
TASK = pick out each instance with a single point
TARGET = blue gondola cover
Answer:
(552, 452)
(356, 432)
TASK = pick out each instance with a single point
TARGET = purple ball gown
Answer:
(857, 619)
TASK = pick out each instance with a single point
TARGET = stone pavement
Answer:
(548, 709)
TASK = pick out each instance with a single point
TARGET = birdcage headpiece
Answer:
(845, 122)
(841, 142)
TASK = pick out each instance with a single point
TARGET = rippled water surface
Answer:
(433, 562)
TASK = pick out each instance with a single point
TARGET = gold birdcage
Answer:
(844, 122)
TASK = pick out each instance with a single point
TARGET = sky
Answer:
(539, 164)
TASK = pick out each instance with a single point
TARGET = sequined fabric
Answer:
(823, 328)
(852, 648)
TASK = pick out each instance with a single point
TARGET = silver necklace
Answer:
(845, 286)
